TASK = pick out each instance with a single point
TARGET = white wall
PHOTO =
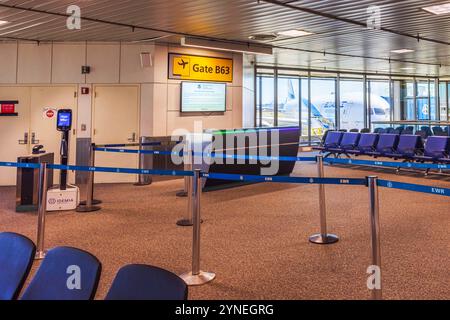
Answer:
(119, 63)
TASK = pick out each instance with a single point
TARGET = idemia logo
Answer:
(59, 201)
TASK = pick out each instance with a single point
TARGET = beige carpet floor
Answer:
(256, 237)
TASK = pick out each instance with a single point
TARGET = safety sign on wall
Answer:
(49, 113)
(200, 68)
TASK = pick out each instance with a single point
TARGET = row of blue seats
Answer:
(56, 278)
(425, 131)
(406, 147)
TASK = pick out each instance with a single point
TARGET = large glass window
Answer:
(288, 101)
(443, 101)
(323, 107)
(305, 110)
(422, 100)
(351, 104)
(379, 101)
(407, 100)
(266, 105)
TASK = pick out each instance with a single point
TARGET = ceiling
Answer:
(341, 40)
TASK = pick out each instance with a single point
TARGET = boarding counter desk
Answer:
(283, 142)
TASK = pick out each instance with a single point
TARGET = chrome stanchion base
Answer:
(94, 202)
(186, 223)
(199, 279)
(182, 194)
(40, 255)
(318, 239)
(87, 209)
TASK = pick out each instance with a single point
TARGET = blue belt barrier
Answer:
(129, 145)
(123, 170)
(162, 152)
(414, 187)
(282, 179)
(390, 164)
(20, 165)
(210, 155)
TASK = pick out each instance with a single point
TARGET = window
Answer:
(288, 102)
(323, 107)
(379, 101)
(407, 100)
(265, 101)
(443, 100)
(352, 104)
(422, 98)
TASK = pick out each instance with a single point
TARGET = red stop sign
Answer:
(50, 113)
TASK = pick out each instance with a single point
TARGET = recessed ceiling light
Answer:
(402, 51)
(408, 68)
(318, 61)
(438, 9)
(294, 33)
(2, 22)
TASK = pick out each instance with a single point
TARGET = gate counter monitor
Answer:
(203, 97)
(64, 120)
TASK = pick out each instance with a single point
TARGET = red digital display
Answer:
(8, 108)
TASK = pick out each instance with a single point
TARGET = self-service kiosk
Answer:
(65, 196)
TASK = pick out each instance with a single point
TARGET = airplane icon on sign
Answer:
(183, 63)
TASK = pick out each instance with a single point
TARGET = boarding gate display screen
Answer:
(203, 97)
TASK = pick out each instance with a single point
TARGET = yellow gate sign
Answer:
(188, 67)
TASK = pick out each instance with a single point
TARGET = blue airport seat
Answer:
(408, 147)
(142, 282)
(436, 148)
(332, 140)
(427, 131)
(354, 130)
(438, 131)
(390, 130)
(367, 142)
(399, 130)
(56, 278)
(386, 144)
(16, 258)
(408, 130)
(379, 130)
(365, 130)
(349, 142)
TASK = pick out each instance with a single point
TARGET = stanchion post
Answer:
(323, 237)
(43, 186)
(189, 165)
(88, 205)
(142, 179)
(374, 212)
(196, 276)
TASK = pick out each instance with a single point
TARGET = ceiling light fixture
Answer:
(294, 33)
(401, 51)
(2, 22)
(438, 9)
(226, 46)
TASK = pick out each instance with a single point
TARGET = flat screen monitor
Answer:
(203, 97)
(64, 120)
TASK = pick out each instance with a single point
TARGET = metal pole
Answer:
(88, 205)
(189, 165)
(323, 237)
(196, 276)
(142, 179)
(375, 232)
(43, 186)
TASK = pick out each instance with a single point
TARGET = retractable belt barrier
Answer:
(198, 277)
(355, 162)
(390, 164)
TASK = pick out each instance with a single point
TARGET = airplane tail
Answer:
(291, 92)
